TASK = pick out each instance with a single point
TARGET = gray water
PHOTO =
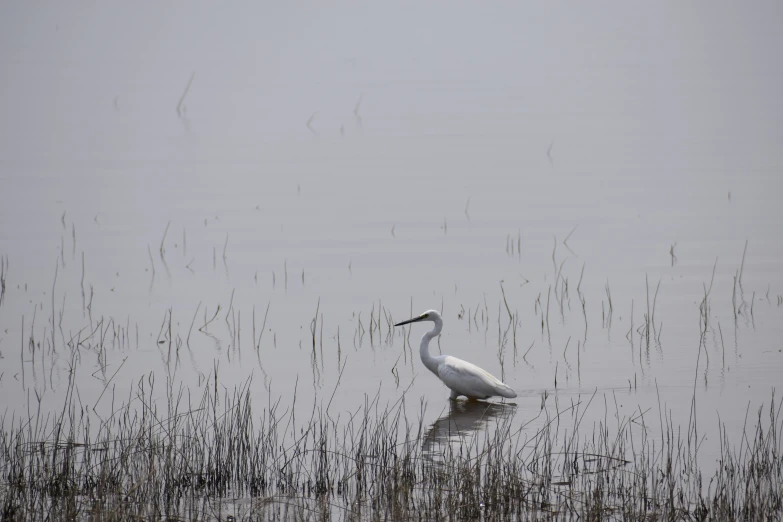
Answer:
(359, 158)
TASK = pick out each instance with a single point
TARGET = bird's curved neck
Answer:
(424, 350)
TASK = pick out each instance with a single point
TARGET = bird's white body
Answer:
(462, 377)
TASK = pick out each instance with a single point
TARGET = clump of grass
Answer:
(184, 457)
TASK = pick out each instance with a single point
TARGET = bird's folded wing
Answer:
(467, 378)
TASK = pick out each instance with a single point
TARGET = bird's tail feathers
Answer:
(507, 392)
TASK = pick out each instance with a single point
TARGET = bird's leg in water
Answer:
(454, 395)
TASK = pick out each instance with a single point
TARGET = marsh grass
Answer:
(194, 456)
(175, 453)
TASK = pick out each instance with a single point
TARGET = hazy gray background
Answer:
(692, 77)
(438, 132)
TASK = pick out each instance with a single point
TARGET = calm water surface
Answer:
(358, 160)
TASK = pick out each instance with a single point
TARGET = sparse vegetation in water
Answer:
(209, 452)
(3, 270)
(216, 454)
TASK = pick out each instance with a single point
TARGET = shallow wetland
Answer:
(199, 281)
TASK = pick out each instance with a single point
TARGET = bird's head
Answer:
(429, 315)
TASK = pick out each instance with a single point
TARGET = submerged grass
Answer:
(192, 457)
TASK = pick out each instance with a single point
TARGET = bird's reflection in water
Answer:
(464, 420)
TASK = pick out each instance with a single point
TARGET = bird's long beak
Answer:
(414, 320)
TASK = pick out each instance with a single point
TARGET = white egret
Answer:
(462, 377)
